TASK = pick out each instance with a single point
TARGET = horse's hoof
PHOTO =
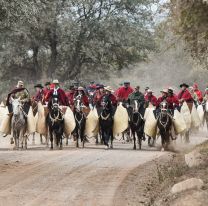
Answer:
(111, 146)
(106, 147)
(162, 150)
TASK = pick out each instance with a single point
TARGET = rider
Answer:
(184, 95)
(22, 93)
(39, 96)
(109, 94)
(198, 93)
(150, 98)
(92, 87)
(81, 93)
(145, 91)
(100, 92)
(70, 95)
(58, 93)
(124, 92)
(172, 100)
(137, 95)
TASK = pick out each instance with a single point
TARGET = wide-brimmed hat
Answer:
(149, 91)
(38, 86)
(47, 83)
(20, 83)
(146, 88)
(170, 90)
(137, 87)
(184, 85)
(108, 88)
(164, 91)
(126, 82)
(80, 89)
(100, 86)
(55, 81)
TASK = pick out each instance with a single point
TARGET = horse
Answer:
(19, 124)
(136, 123)
(164, 123)
(106, 121)
(55, 122)
(80, 119)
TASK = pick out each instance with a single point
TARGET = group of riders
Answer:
(92, 96)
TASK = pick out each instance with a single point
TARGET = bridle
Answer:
(55, 107)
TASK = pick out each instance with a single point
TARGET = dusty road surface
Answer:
(84, 177)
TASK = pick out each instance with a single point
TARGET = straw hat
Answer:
(108, 88)
(55, 81)
(20, 83)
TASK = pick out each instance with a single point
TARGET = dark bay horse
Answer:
(136, 123)
(55, 122)
(106, 121)
(80, 119)
(164, 123)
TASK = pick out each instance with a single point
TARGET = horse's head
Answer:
(55, 103)
(136, 106)
(105, 103)
(16, 107)
(91, 99)
(78, 103)
(164, 106)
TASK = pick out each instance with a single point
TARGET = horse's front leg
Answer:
(111, 146)
(51, 138)
(140, 137)
(33, 139)
(25, 140)
(134, 138)
(41, 139)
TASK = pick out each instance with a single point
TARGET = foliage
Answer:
(190, 20)
(64, 38)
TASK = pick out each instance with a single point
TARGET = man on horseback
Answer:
(150, 98)
(80, 93)
(58, 93)
(184, 95)
(139, 97)
(21, 93)
(100, 92)
(39, 96)
(124, 92)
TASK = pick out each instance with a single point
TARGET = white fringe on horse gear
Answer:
(186, 115)
(5, 126)
(121, 120)
(69, 122)
(31, 123)
(41, 126)
(178, 122)
(195, 120)
(92, 123)
(150, 126)
(200, 112)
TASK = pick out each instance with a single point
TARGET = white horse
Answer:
(19, 124)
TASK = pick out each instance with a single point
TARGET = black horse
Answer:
(106, 121)
(80, 119)
(164, 123)
(136, 123)
(55, 122)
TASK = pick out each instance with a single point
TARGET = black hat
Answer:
(184, 85)
(126, 82)
(47, 83)
(146, 88)
(38, 86)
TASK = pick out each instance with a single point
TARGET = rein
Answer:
(56, 118)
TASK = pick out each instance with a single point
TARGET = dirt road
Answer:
(72, 176)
